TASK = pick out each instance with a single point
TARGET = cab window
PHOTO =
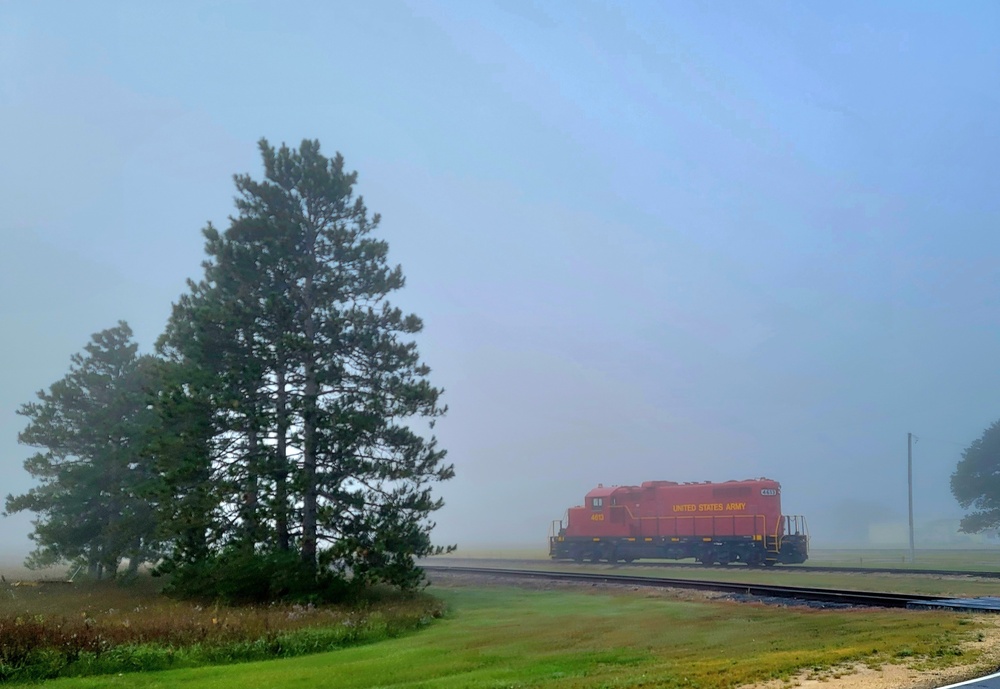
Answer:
(597, 503)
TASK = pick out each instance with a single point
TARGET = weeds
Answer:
(99, 627)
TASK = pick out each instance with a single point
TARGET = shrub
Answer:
(241, 577)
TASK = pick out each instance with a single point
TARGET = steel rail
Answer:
(829, 568)
(842, 596)
(986, 574)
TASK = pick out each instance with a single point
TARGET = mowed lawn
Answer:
(600, 637)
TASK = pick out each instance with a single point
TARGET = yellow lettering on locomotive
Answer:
(711, 507)
(685, 508)
(597, 517)
(736, 506)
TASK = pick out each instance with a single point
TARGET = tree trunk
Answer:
(310, 492)
(251, 518)
(310, 417)
(281, 472)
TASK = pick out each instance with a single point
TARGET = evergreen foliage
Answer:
(975, 482)
(313, 390)
(90, 427)
(275, 445)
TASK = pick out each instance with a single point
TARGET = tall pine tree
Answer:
(318, 387)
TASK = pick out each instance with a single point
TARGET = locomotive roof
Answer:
(656, 484)
(603, 491)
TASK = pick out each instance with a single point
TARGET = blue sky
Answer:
(649, 241)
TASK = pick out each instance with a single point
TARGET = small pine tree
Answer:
(90, 427)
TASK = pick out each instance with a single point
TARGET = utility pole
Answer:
(909, 481)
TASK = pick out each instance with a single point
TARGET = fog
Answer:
(699, 242)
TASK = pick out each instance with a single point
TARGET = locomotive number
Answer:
(768, 491)
(597, 517)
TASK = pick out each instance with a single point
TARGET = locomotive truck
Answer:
(714, 523)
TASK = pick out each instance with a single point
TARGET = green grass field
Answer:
(983, 559)
(562, 637)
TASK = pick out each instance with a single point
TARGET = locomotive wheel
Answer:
(595, 556)
(611, 555)
(707, 557)
(577, 555)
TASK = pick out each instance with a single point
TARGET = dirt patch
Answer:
(901, 676)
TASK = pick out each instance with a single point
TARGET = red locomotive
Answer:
(734, 521)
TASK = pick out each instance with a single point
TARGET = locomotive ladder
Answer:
(790, 525)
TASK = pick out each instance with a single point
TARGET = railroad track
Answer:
(844, 597)
(779, 568)
(817, 568)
